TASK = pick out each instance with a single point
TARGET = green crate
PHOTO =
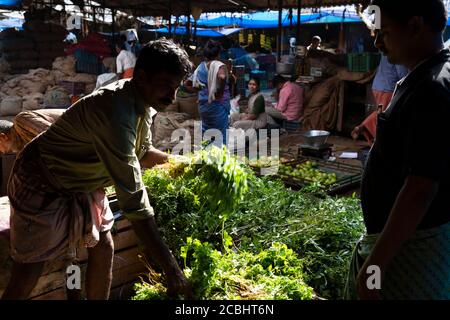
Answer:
(363, 62)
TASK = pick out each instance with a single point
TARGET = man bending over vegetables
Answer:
(56, 186)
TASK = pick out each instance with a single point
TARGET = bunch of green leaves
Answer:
(194, 197)
(276, 273)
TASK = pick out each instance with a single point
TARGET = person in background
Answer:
(132, 43)
(406, 181)
(248, 60)
(236, 51)
(383, 87)
(290, 100)
(125, 61)
(315, 44)
(255, 116)
(103, 139)
(211, 81)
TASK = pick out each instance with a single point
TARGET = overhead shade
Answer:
(201, 32)
(10, 3)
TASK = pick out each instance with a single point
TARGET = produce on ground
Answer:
(307, 171)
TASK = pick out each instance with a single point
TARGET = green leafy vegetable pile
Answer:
(208, 201)
(276, 273)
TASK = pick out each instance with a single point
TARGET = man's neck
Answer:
(425, 52)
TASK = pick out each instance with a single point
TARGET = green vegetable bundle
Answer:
(273, 274)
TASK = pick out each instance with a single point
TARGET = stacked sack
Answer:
(64, 70)
(48, 39)
(25, 92)
(18, 50)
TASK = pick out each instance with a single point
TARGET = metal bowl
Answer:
(315, 138)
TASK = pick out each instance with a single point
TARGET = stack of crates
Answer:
(88, 62)
(363, 62)
(239, 72)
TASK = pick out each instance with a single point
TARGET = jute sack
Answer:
(10, 106)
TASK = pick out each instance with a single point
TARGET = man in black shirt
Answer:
(406, 183)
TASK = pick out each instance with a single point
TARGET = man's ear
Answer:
(416, 25)
(141, 77)
(4, 137)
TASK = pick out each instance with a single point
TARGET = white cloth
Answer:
(213, 70)
(125, 60)
(105, 79)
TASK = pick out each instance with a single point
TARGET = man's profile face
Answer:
(394, 40)
(159, 89)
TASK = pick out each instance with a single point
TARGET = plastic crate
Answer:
(91, 68)
(363, 62)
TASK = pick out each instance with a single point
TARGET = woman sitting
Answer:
(255, 116)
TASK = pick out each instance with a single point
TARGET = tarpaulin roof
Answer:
(269, 19)
(10, 3)
(180, 7)
(201, 32)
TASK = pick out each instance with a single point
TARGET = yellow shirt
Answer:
(98, 142)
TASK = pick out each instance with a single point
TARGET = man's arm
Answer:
(221, 80)
(409, 209)
(283, 99)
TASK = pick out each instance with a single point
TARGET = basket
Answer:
(363, 62)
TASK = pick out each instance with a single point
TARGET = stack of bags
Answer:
(48, 39)
(18, 50)
(36, 46)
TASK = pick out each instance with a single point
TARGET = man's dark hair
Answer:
(433, 12)
(212, 49)
(163, 55)
(278, 79)
(5, 126)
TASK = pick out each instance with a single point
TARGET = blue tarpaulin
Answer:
(269, 19)
(201, 32)
(10, 3)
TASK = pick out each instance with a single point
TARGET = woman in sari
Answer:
(211, 79)
(254, 117)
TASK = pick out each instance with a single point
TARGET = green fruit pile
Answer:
(307, 171)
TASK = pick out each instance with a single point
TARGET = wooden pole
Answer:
(299, 14)
(93, 17)
(170, 19)
(113, 29)
(280, 27)
(188, 26)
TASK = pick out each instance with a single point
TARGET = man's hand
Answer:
(157, 250)
(177, 284)
(153, 157)
(356, 132)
